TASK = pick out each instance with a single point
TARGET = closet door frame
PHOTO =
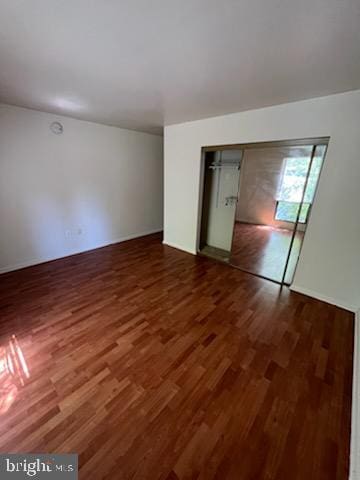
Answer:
(313, 141)
(296, 224)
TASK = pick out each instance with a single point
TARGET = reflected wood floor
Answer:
(263, 250)
(151, 363)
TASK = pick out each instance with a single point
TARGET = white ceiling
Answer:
(141, 64)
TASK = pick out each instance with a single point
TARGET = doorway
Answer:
(257, 202)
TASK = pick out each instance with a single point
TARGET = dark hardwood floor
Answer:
(151, 363)
(263, 250)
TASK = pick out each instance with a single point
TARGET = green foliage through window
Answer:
(287, 211)
(293, 183)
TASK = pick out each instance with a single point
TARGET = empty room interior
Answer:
(180, 239)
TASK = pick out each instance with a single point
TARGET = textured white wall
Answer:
(329, 266)
(61, 194)
(260, 177)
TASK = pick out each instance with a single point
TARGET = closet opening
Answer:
(256, 204)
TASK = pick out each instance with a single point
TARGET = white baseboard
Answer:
(355, 412)
(39, 260)
(179, 247)
(324, 298)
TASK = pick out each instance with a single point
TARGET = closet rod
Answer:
(235, 165)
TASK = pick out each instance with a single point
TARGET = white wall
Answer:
(223, 183)
(61, 194)
(260, 179)
(259, 183)
(329, 266)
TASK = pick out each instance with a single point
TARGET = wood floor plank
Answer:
(263, 250)
(151, 363)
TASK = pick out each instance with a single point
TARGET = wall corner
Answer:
(355, 408)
